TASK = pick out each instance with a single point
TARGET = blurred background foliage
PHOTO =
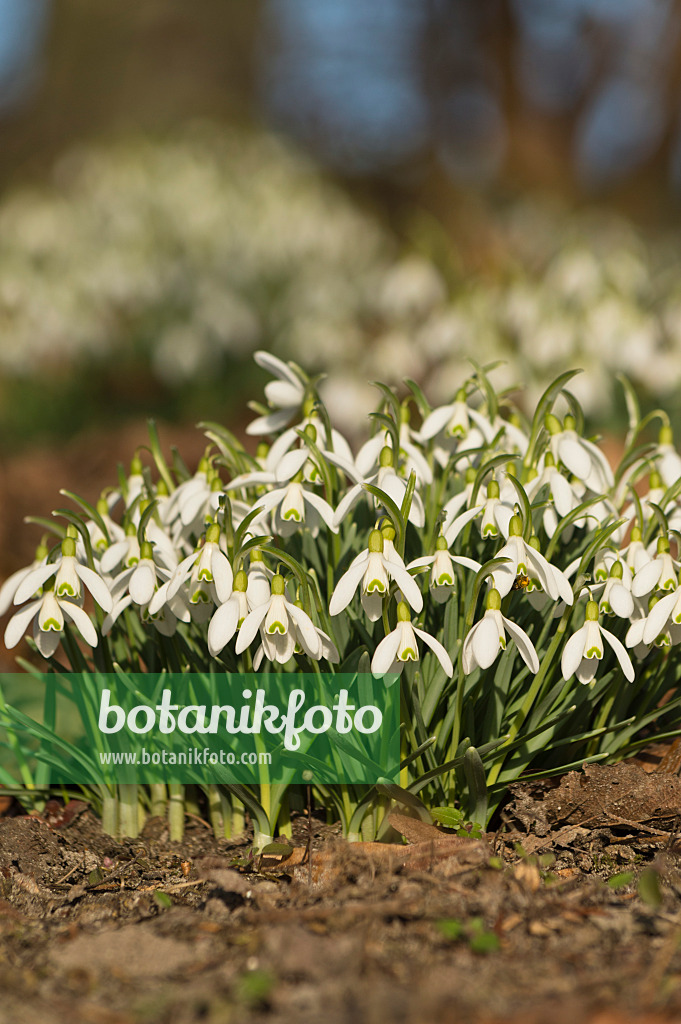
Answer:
(376, 190)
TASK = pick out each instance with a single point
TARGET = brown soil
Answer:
(443, 929)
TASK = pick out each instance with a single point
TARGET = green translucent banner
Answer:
(198, 728)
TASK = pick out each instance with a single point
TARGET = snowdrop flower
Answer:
(525, 560)
(664, 617)
(12, 583)
(387, 479)
(584, 650)
(442, 569)
(140, 579)
(368, 457)
(70, 576)
(488, 636)
(229, 616)
(669, 460)
(192, 502)
(563, 496)
(293, 505)
(313, 426)
(48, 616)
(282, 624)
(616, 598)
(659, 573)
(285, 394)
(496, 513)
(400, 646)
(582, 457)
(99, 540)
(454, 422)
(207, 572)
(459, 501)
(373, 570)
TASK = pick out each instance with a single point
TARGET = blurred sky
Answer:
(583, 93)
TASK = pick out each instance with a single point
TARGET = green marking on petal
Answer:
(50, 624)
(375, 586)
(292, 514)
(206, 574)
(200, 597)
(594, 652)
(66, 590)
(276, 627)
(444, 580)
(408, 654)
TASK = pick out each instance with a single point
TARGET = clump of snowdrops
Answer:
(524, 593)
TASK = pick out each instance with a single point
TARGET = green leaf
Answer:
(450, 817)
(621, 880)
(649, 888)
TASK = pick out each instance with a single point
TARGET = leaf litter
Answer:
(570, 911)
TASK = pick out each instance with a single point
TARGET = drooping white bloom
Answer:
(282, 625)
(387, 479)
(70, 576)
(400, 646)
(368, 457)
(229, 616)
(313, 426)
(285, 395)
(488, 636)
(660, 573)
(207, 573)
(442, 568)
(584, 650)
(292, 505)
(563, 496)
(373, 570)
(453, 421)
(13, 582)
(47, 615)
(668, 459)
(616, 597)
(664, 615)
(581, 457)
(524, 560)
(496, 513)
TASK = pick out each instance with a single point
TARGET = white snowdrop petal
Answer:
(306, 629)
(621, 601)
(347, 585)
(621, 653)
(142, 583)
(33, 580)
(437, 649)
(385, 653)
(18, 624)
(486, 642)
(250, 626)
(82, 621)
(657, 618)
(573, 652)
(97, 587)
(524, 645)
(223, 626)
(277, 367)
(646, 578)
